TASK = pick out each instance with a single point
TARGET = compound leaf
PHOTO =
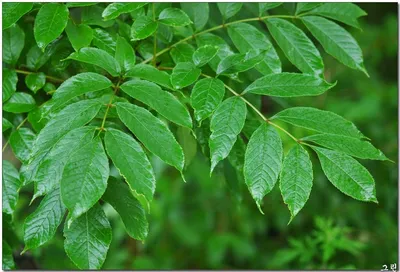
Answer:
(150, 73)
(239, 62)
(113, 10)
(199, 19)
(182, 52)
(124, 54)
(21, 142)
(11, 184)
(184, 74)
(204, 54)
(143, 27)
(228, 10)
(174, 17)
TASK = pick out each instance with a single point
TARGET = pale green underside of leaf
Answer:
(184, 74)
(263, 162)
(226, 124)
(150, 73)
(132, 213)
(347, 174)
(296, 179)
(21, 142)
(88, 238)
(12, 12)
(84, 179)
(132, 163)
(152, 132)
(11, 184)
(41, 225)
(163, 102)
(319, 120)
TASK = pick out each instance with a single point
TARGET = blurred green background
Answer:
(212, 223)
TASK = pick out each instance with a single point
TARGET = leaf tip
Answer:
(259, 208)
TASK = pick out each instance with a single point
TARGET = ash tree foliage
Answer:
(109, 84)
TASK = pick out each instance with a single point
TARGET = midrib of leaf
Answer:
(55, 14)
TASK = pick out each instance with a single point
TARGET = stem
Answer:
(109, 105)
(155, 38)
(216, 28)
(18, 127)
(55, 79)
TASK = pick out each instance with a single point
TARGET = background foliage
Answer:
(219, 225)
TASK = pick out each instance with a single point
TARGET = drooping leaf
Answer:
(206, 95)
(9, 85)
(84, 179)
(11, 184)
(113, 10)
(349, 145)
(296, 179)
(263, 7)
(78, 85)
(152, 74)
(263, 162)
(13, 43)
(12, 12)
(226, 123)
(50, 22)
(50, 169)
(163, 102)
(204, 54)
(319, 120)
(184, 74)
(88, 238)
(124, 54)
(35, 81)
(297, 47)
(304, 6)
(19, 102)
(199, 19)
(188, 143)
(6, 124)
(99, 58)
(289, 85)
(346, 174)
(240, 62)
(228, 10)
(79, 35)
(182, 52)
(104, 41)
(152, 132)
(174, 17)
(41, 225)
(336, 41)
(21, 142)
(343, 12)
(132, 213)
(143, 27)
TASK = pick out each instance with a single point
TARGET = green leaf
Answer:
(79, 35)
(349, 145)
(124, 54)
(152, 132)
(184, 74)
(10, 80)
(114, 10)
(336, 41)
(41, 225)
(50, 169)
(36, 58)
(93, 16)
(289, 85)
(296, 179)
(35, 81)
(188, 143)
(174, 17)
(346, 174)
(240, 62)
(182, 52)
(246, 37)
(11, 185)
(20, 102)
(161, 101)
(204, 54)
(119, 196)
(343, 12)
(104, 41)
(229, 9)
(84, 179)
(50, 22)
(80, 4)
(21, 142)
(263, 7)
(318, 120)
(133, 164)
(226, 123)
(263, 162)
(6, 124)
(13, 43)
(297, 47)
(206, 95)
(88, 238)
(142, 28)
(99, 58)
(302, 7)
(78, 85)
(7, 258)
(199, 19)
(12, 12)
(152, 74)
